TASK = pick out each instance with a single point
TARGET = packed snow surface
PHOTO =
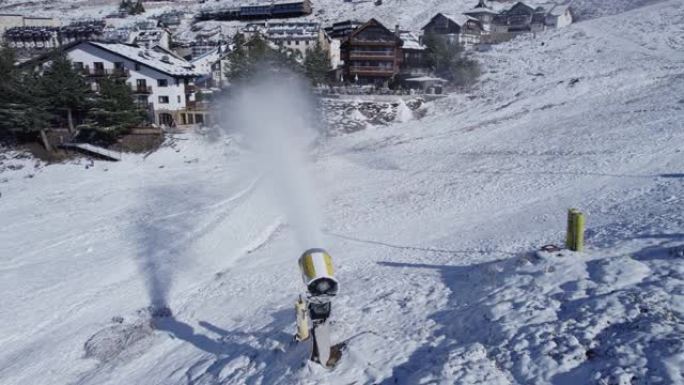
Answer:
(433, 225)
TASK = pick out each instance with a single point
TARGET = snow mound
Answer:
(109, 343)
(404, 113)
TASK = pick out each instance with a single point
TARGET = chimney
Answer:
(396, 29)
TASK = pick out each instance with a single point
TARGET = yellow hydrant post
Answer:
(302, 320)
(578, 232)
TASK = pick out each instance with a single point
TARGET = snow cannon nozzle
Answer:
(160, 311)
(318, 273)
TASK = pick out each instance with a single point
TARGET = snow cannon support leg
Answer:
(302, 320)
(575, 237)
(319, 313)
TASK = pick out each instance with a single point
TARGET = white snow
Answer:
(433, 226)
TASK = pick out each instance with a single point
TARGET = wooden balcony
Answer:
(197, 106)
(375, 43)
(145, 90)
(361, 55)
(372, 70)
(102, 72)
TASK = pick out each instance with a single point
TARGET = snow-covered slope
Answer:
(411, 14)
(432, 224)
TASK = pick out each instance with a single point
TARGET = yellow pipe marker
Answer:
(302, 321)
(575, 237)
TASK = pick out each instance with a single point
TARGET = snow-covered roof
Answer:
(559, 10)
(286, 30)
(480, 10)
(154, 58)
(458, 19)
(411, 41)
(203, 63)
(426, 79)
(149, 36)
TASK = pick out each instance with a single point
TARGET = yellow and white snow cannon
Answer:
(318, 273)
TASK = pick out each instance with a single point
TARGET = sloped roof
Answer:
(154, 58)
(411, 41)
(559, 10)
(369, 23)
(478, 10)
(458, 19)
(203, 63)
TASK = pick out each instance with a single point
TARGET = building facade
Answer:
(414, 62)
(372, 54)
(161, 83)
(274, 10)
(462, 29)
(560, 16)
(31, 40)
(8, 21)
(296, 36)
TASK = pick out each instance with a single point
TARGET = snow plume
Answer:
(275, 115)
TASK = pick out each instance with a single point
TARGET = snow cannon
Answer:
(318, 273)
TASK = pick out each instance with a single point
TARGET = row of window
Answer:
(142, 100)
(296, 42)
(165, 99)
(194, 118)
(98, 67)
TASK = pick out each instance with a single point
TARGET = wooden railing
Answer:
(195, 105)
(372, 42)
(371, 55)
(142, 89)
(116, 72)
(372, 69)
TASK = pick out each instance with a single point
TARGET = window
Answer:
(141, 101)
(179, 99)
(99, 68)
(78, 66)
(162, 82)
(184, 119)
(141, 85)
(137, 66)
(119, 65)
(163, 100)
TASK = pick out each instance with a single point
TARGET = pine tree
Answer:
(447, 59)
(248, 57)
(64, 88)
(238, 60)
(317, 65)
(114, 111)
(137, 8)
(22, 107)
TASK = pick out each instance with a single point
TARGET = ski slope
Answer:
(433, 226)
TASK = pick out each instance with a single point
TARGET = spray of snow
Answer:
(404, 113)
(275, 114)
